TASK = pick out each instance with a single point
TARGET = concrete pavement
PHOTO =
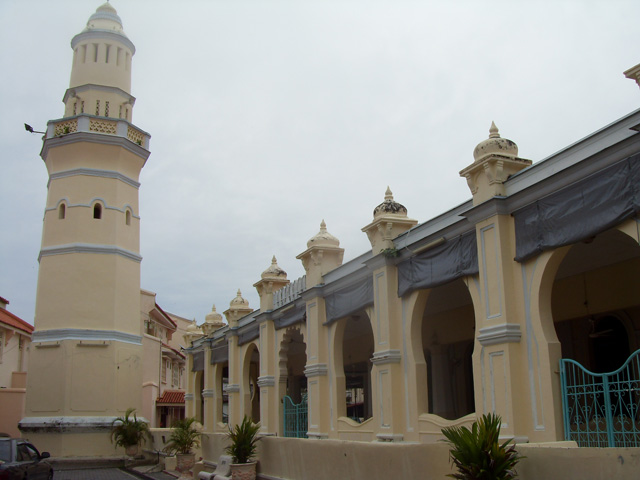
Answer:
(94, 474)
(109, 473)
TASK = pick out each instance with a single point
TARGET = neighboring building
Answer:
(466, 313)
(15, 340)
(163, 386)
(87, 360)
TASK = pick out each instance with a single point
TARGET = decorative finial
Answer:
(388, 195)
(493, 131)
(323, 226)
(273, 260)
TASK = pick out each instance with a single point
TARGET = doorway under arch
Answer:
(594, 302)
(448, 332)
(250, 388)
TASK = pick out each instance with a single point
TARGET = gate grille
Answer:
(295, 417)
(601, 409)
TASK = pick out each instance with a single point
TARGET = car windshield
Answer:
(5, 451)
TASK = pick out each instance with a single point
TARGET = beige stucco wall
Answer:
(12, 409)
(13, 358)
(295, 459)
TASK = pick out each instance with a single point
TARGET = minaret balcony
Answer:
(97, 125)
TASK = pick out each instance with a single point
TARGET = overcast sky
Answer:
(268, 116)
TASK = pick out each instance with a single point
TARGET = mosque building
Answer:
(491, 306)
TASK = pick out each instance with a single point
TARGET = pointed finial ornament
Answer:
(388, 195)
(493, 131)
(323, 226)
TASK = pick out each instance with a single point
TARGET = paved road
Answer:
(94, 474)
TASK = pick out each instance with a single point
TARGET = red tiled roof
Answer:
(173, 397)
(11, 320)
(177, 352)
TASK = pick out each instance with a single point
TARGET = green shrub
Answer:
(184, 437)
(128, 431)
(478, 455)
(244, 439)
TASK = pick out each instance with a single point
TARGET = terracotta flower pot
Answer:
(243, 471)
(185, 461)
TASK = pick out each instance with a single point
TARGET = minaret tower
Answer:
(86, 357)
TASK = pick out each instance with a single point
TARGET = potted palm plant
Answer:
(128, 432)
(243, 446)
(185, 436)
(478, 455)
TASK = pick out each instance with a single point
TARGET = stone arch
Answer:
(292, 377)
(249, 389)
(220, 382)
(543, 279)
(353, 347)
(598, 279)
(447, 336)
(198, 397)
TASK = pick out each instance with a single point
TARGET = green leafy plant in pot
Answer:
(185, 436)
(478, 455)
(128, 432)
(244, 439)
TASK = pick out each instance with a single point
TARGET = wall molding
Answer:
(503, 333)
(93, 172)
(316, 370)
(58, 335)
(89, 248)
(386, 356)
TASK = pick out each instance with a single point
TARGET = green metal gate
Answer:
(601, 409)
(295, 417)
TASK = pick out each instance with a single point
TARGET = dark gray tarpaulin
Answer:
(290, 318)
(349, 300)
(198, 361)
(579, 211)
(220, 354)
(448, 261)
(249, 335)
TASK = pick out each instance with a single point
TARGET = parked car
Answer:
(19, 459)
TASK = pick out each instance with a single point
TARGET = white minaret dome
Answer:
(106, 18)
(323, 238)
(102, 55)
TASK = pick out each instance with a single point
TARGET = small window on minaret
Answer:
(82, 106)
(97, 211)
(62, 210)
(106, 109)
(127, 217)
(97, 107)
